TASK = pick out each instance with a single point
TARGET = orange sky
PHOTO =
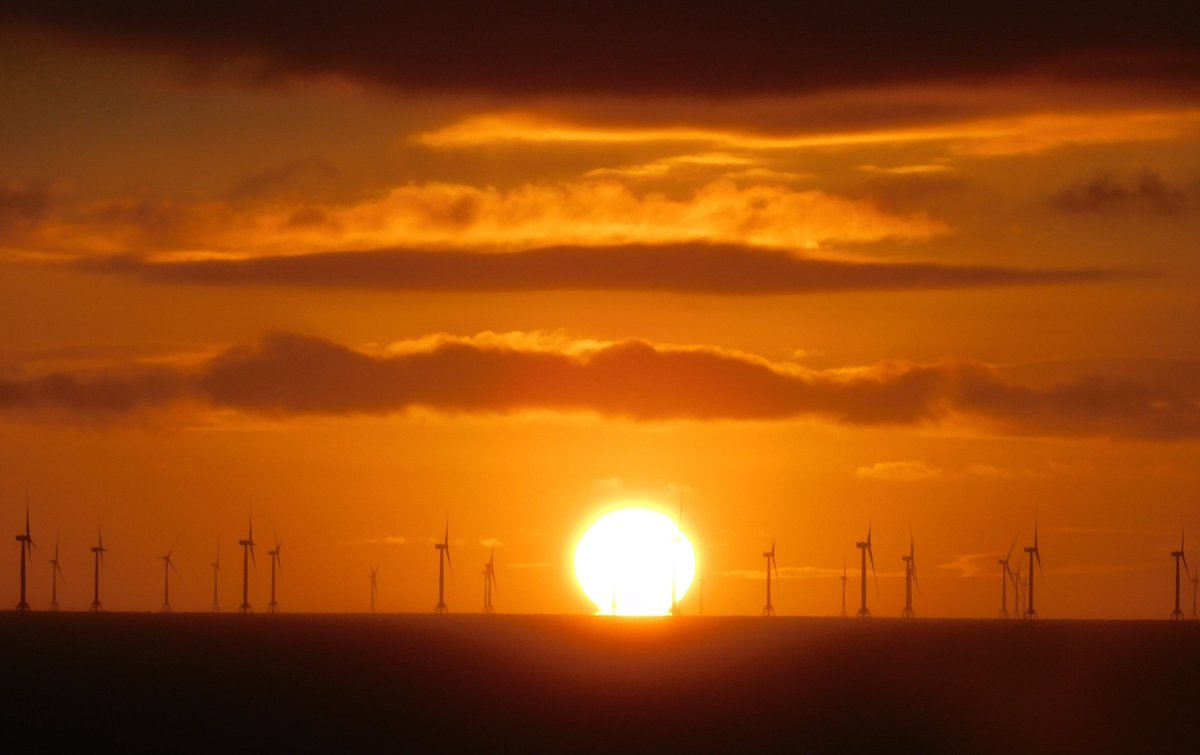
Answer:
(358, 290)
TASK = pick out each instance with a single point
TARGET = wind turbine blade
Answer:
(869, 526)
(448, 561)
(1185, 566)
(1010, 548)
(1038, 553)
(871, 553)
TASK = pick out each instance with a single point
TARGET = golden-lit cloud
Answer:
(907, 471)
(286, 375)
(448, 215)
(1003, 135)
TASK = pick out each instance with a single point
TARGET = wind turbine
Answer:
(910, 578)
(273, 607)
(768, 609)
(98, 552)
(374, 586)
(844, 578)
(675, 558)
(26, 542)
(55, 573)
(1005, 575)
(247, 558)
(216, 567)
(865, 547)
(168, 567)
(1031, 612)
(443, 549)
(1018, 591)
(489, 582)
(1179, 556)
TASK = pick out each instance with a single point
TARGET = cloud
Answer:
(1146, 192)
(287, 375)
(718, 48)
(459, 216)
(1012, 134)
(974, 565)
(718, 269)
(490, 542)
(385, 540)
(907, 471)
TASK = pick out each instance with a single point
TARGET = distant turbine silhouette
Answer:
(168, 567)
(1195, 584)
(1179, 556)
(247, 558)
(273, 607)
(1005, 575)
(675, 558)
(55, 573)
(910, 578)
(443, 549)
(1018, 592)
(98, 552)
(844, 578)
(489, 582)
(374, 586)
(216, 567)
(769, 609)
(1031, 612)
(26, 542)
(865, 547)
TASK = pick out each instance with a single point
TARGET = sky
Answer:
(364, 274)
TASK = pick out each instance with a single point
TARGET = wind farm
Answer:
(634, 292)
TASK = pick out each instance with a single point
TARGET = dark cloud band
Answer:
(286, 375)
(722, 48)
(675, 268)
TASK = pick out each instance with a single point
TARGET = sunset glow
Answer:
(629, 561)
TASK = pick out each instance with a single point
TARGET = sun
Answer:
(630, 561)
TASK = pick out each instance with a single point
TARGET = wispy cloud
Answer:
(385, 540)
(907, 471)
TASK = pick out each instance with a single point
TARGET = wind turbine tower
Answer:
(1006, 575)
(768, 609)
(443, 549)
(865, 548)
(216, 567)
(844, 579)
(247, 559)
(489, 582)
(26, 542)
(1031, 612)
(273, 607)
(55, 573)
(1177, 615)
(168, 567)
(374, 586)
(910, 579)
(98, 552)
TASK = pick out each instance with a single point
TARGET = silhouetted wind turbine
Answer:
(1179, 556)
(489, 582)
(374, 586)
(443, 549)
(844, 578)
(865, 547)
(26, 542)
(1005, 575)
(247, 559)
(910, 578)
(273, 607)
(168, 567)
(768, 609)
(675, 558)
(98, 552)
(1018, 592)
(1031, 612)
(55, 573)
(216, 567)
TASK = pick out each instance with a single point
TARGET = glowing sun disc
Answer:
(631, 560)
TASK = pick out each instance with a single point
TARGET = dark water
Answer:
(545, 683)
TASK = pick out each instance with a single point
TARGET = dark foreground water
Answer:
(572, 684)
